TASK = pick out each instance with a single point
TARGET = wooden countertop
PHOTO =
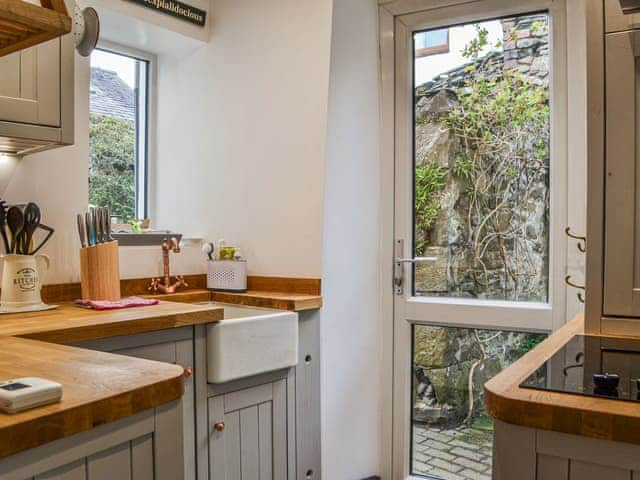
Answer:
(97, 388)
(586, 416)
(296, 302)
(282, 293)
(101, 387)
(70, 324)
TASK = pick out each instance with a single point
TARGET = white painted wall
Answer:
(242, 125)
(351, 321)
(241, 141)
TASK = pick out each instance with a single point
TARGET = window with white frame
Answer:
(119, 133)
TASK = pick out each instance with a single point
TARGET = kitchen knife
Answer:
(90, 232)
(82, 231)
(105, 225)
(108, 230)
(99, 231)
(95, 225)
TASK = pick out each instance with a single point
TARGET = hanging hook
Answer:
(582, 241)
(580, 294)
(570, 282)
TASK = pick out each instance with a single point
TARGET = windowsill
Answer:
(144, 239)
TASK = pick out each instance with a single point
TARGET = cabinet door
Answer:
(168, 346)
(248, 434)
(180, 353)
(615, 20)
(30, 85)
(622, 212)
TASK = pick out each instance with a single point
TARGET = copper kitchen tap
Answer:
(165, 285)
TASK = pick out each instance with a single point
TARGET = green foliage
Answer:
(112, 165)
(539, 28)
(529, 342)
(475, 46)
(502, 127)
(429, 183)
(463, 167)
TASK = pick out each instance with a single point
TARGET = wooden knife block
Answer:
(100, 272)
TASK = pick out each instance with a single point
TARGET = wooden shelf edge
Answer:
(27, 24)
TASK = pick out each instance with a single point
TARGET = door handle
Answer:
(400, 261)
(417, 260)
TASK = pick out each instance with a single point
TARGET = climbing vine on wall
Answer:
(501, 124)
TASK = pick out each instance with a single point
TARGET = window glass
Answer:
(481, 162)
(118, 134)
(451, 433)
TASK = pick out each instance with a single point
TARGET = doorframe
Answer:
(388, 10)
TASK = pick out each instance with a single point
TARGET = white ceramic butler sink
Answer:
(250, 341)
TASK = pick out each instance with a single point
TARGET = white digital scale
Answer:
(29, 392)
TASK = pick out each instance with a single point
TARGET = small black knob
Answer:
(606, 384)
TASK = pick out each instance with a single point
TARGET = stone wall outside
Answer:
(445, 357)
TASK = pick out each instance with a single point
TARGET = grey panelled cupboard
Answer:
(30, 85)
(37, 96)
(141, 447)
(621, 292)
(249, 432)
(271, 422)
(530, 454)
(169, 346)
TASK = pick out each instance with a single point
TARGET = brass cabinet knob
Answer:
(219, 426)
(188, 372)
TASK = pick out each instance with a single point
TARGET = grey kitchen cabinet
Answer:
(621, 289)
(37, 96)
(141, 447)
(250, 434)
(616, 20)
(531, 454)
(169, 346)
(30, 85)
(277, 414)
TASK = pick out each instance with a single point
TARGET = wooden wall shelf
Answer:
(23, 24)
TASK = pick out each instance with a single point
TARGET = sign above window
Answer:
(176, 9)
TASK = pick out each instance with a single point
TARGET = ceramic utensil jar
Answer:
(22, 277)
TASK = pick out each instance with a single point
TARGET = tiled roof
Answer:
(110, 95)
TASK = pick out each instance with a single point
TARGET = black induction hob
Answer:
(592, 366)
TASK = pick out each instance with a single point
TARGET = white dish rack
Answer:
(227, 275)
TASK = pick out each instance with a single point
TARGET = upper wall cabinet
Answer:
(30, 85)
(622, 175)
(37, 96)
(615, 20)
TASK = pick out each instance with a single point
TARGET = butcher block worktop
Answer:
(69, 323)
(600, 418)
(97, 388)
